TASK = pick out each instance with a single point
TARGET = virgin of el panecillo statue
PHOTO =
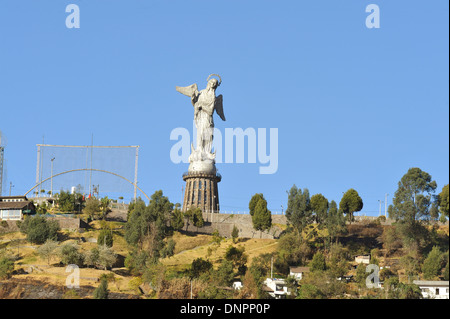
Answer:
(204, 102)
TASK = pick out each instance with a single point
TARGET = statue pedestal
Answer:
(201, 191)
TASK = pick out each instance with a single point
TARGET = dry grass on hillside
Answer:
(189, 248)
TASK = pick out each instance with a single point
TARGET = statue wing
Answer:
(218, 106)
(188, 90)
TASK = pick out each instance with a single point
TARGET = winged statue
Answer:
(205, 102)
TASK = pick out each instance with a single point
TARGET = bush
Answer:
(70, 254)
(318, 262)
(47, 250)
(6, 267)
(105, 237)
(432, 264)
(199, 266)
(101, 292)
(38, 229)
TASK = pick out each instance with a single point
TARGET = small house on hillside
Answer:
(15, 207)
(297, 272)
(276, 288)
(433, 289)
(364, 259)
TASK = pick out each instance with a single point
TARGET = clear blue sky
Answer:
(355, 107)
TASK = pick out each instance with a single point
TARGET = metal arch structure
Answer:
(88, 169)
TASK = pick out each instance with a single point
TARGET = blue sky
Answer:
(354, 107)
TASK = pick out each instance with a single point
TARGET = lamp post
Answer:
(10, 186)
(51, 178)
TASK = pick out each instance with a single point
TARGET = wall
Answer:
(224, 223)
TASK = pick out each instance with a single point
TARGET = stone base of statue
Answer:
(201, 187)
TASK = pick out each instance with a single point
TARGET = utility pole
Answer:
(51, 179)
(10, 186)
(385, 205)
(1, 166)
(379, 214)
(40, 169)
(90, 175)
(271, 267)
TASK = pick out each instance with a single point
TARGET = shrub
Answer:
(48, 250)
(318, 262)
(101, 292)
(38, 229)
(70, 254)
(6, 267)
(199, 266)
(105, 237)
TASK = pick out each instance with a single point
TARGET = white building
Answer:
(14, 207)
(237, 285)
(297, 272)
(363, 259)
(276, 288)
(433, 289)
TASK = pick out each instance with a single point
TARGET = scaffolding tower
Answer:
(1, 169)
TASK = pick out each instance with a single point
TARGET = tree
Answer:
(350, 203)
(69, 253)
(6, 267)
(391, 240)
(445, 273)
(104, 206)
(169, 248)
(262, 217)
(188, 216)
(147, 227)
(177, 221)
(309, 291)
(413, 198)
(318, 262)
(38, 229)
(412, 203)
(298, 212)
(235, 234)
(398, 290)
(238, 257)
(42, 208)
(319, 206)
(93, 208)
(292, 250)
(197, 218)
(68, 202)
(101, 292)
(91, 257)
(335, 222)
(443, 199)
(48, 250)
(253, 202)
(216, 238)
(433, 264)
(361, 275)
(105, 237)
(106, 257)
(198, 267)
(224, 274)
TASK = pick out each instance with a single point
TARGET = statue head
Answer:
(213, 82)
